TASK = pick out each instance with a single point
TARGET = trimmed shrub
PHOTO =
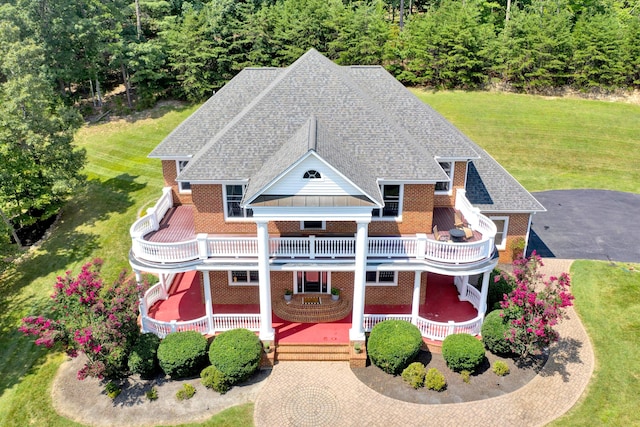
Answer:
(393, 344)
(182, 354)
(466, 376)
(434, 380)
(236, 353)
(504, 285)
(143, 359)
(462, 352)
(186, 392)
(493, 332)
(500, 368)
(113, 390)
(414, 375)
(214, 379)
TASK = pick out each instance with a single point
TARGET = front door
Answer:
(310, 282)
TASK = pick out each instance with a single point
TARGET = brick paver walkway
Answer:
(329, 394)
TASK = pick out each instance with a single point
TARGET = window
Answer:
(391, 195)
(502, 224)
(445, 186)
(183, 187)
(382, 278)
(312, 174)
(233, 197)
(312, 225)
(243, 278)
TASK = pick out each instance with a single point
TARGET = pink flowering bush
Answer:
(534, 307)
(87, 317)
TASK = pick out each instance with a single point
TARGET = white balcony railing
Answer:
(429, 328)
(417, 246)
(204, 325)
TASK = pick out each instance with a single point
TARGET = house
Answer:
(319, 176)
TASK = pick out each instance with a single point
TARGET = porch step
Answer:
(312, 352)
(326, 311)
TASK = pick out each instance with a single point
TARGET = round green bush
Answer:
(493, 330)
(236, 353)
(434, 380)
(183, 354)
(393, 344)
(462, 352)
(414, 375)
(143, 359)
(213, 378)
(496, 291)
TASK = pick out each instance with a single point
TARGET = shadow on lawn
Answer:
(72, 240)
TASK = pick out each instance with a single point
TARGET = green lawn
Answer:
(592, 145)
(608, 302)
(550, 143)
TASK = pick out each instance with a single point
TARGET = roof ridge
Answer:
(259, 97)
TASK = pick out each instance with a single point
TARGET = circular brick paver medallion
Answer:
(311, 406)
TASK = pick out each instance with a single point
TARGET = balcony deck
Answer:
(178, 226)
(185, 303)
(165, 238)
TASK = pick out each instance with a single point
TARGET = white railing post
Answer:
(143, 315)
(415, 304)
(173, 326)
(208, 302)
(356, 333)
(312, 247)
(203, 251)
(482, 307)
(153, 216)
(421, 246)
(451, 328)
(267, 333)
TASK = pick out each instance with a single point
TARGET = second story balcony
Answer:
(165, 236)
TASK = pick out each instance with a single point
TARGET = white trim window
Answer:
(502, 225)
(444, 187)
(313, 225)
(243, 278)
(233, 194)
(183, 187)
(382, 278)
(392, 197)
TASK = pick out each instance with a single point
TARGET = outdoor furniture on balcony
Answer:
(457, 235)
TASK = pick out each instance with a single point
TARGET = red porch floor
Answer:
(186, 302)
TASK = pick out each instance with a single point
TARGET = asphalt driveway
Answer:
(587, 224)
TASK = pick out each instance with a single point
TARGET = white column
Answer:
(415, 304)
(138, 276)
(483, 292)
(208, 301)
(356, 333)
(266, 330)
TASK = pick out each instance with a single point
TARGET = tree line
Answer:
(59, 57)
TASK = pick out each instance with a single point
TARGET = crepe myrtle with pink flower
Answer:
(90, 318)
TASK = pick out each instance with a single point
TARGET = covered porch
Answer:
(441, 312)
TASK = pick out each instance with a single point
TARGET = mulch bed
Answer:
(484, 383)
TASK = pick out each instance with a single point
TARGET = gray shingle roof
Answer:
(492, 189)
(369, 127)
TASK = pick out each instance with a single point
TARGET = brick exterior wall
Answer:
(169, 172)
(417, 215)
(459, 179)
(517, 231)
(222, 293)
